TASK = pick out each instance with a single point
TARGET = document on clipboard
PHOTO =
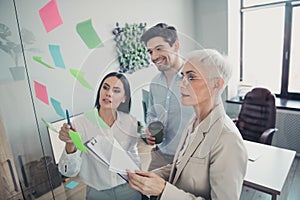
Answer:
(112, 154)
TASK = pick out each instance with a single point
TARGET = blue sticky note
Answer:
(57, 107)
(56, 56)
(72, 184)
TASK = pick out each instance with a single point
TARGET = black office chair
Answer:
(257, 117)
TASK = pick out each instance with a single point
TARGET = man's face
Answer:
(162, 54)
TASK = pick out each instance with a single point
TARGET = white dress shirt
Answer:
(93, 171)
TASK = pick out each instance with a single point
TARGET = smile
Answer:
(159, 60)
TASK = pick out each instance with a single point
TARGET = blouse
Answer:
(94, 172)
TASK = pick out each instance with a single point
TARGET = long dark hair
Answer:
(124, 107)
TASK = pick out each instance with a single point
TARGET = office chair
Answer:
(257, 117)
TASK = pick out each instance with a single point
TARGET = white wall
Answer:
(61, 85)
(95, 63)
(211, 24)
(204, 21)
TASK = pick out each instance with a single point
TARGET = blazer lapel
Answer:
(211, 138)
(189, 151)
(182, 140)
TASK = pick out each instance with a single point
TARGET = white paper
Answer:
(120, 160)
(253, 153)
(112, 153)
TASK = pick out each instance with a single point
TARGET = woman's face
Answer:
(196, 86)
(112, 93)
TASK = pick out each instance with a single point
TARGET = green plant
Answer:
(132, 53)
(12, 48)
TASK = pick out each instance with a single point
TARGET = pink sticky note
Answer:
(50, 16)
(41, 92)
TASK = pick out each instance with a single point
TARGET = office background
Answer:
(200, 23)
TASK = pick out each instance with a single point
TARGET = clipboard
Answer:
(108, 152)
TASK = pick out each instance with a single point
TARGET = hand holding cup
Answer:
(156, 129)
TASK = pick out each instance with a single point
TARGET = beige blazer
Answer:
(213, 165)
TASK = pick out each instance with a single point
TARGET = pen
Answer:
(68, 118)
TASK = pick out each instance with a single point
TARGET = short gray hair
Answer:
(214, 62)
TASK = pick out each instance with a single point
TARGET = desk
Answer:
(269, 167)
(280, 103)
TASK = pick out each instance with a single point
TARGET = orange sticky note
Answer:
(50, 16)
(41, 92)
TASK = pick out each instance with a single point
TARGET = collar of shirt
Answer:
(177, 76)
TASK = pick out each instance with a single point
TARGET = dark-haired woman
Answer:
(109, 118)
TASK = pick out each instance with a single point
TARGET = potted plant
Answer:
(14, 50)
(132, 53)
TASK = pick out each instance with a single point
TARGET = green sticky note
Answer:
(50, 126)
(75, 136)
(39, 60)
(88, 34)
(79, 75)
(93, 117)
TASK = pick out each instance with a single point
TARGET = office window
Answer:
(262, 47)
(258, 2)
(294, 75)
(270, 46)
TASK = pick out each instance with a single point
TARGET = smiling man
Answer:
(164, 95)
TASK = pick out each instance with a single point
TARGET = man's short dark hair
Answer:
(168, 33)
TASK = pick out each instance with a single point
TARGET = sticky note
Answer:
(88, 34)
(56, 56)
(41, 92)
(50, 16)
(50, 126)
(93, 117)
(79, 75)
(39, 60)
(72, 184)
(57, 107)
(75, 136)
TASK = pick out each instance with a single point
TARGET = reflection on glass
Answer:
(262, 50)
(294, 74)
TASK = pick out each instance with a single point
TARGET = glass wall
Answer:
(42, 50)
(26, 159)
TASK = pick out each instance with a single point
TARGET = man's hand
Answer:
(149, 138)
(148, 183)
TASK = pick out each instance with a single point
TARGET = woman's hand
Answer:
(64, 136)
(147, 183)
